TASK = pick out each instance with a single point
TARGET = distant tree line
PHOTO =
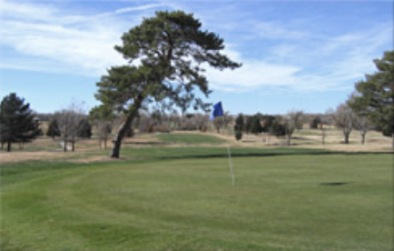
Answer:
(371, 106)
(275, 125)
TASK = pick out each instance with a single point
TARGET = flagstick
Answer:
(231, 165)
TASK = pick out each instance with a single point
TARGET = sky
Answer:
(295, 55)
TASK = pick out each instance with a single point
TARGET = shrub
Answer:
(238, 135)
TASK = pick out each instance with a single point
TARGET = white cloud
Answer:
(295, 57)
(25, 11)
(327, 63)
(252, 75)
(61, 42)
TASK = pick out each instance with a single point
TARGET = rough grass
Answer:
(182, 199)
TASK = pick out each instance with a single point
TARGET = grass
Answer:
(181, 198)
(189, 139)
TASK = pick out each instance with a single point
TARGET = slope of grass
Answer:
(183, 199)
(189, 138)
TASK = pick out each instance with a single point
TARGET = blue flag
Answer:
(217, 111)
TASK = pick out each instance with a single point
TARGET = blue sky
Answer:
(296, 55)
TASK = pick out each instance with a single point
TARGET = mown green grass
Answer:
(189, 138)
(183, 199)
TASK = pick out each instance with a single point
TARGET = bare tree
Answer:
(104, 120)
(104, 129)
(202, 121)
(362, 124)
(324, 123)
(69, 121)
(344, 119)
(362, 116)
(293, 120)
(227, 119)
(218, 123)
(145, 123)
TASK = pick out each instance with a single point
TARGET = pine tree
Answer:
(18, 124)
(171, 48)
(53, 129)
(278, 128)
(374, 96)
(239, 123)
(256, 127)
(238, 127)
(85, 129)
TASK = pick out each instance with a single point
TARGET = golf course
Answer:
(153, 125)
(176, 193)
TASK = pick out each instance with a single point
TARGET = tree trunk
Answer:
(392, 140)
(346, 134)
(65, 145)
(133, 111)
(267, 139)
(9, 146)
(105, 143)
(288, 139)
(119, 137)
(323, 136)
(363, 138)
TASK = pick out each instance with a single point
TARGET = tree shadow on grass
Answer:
(244, 153)
(340, 183)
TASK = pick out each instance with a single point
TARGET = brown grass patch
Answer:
(11, 157)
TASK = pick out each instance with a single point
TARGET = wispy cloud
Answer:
(25, 11)
(306, 53)
(274, 53)
(272, 30)
(311, 63)
(61, 42)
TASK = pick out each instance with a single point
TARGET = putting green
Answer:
(284, 202)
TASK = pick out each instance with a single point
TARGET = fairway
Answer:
(183, 199)
(189, 139)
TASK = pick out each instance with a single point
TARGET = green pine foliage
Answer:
(17, 121)
(53, 129)
(171, 48)
(239, 123)
(239, 127)
(267, 122)
(315, 122)
(374, 96)
(256, 127)
(238, 135)
(278, 128)
(85, 129)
